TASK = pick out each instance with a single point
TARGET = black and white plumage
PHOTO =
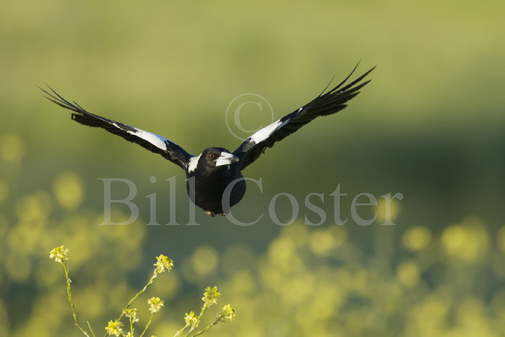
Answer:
(210, 172)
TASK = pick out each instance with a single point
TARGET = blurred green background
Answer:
(429, 126)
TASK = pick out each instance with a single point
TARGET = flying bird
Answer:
(212, 171)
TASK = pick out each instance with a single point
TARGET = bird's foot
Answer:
(212, 214)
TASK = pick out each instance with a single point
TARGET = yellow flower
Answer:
(114, 328)
(129, 334)
(416, 238)
(131, 314)
(321, 242)
(68, 190)
(228, 312)
(387, 210)
(467, 241)
(408, 274)
(11, 148)
(59, 254)
(155, 304)
(204, 260)
(163, 263)
(191, 319)
(210, 296)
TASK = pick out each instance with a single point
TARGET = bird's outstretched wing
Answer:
(147, 140)
(327, 103)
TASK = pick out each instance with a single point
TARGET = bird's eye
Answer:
(212, 156)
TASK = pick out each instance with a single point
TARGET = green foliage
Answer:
(309, 281)
(155, 304)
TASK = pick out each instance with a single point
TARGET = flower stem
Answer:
(207, 328)
(202, 312)
(181, 330)
(90, 329)
(131, 326)
(71, 303)
(140, 292)
(147, 325)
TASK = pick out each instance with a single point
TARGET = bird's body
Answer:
(214, 177)
(206, 184)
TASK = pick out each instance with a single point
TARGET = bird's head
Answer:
(215, 158)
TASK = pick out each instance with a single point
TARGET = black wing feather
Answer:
(159, 145)
(327, 103)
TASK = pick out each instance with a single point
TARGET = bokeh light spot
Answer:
(204, 260)
(11, 148)
(416, 238)
(68, 190)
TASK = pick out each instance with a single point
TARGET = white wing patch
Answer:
(152, 138)
(193, 162)
(263, 134)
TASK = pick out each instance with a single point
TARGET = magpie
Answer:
(212, 171)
